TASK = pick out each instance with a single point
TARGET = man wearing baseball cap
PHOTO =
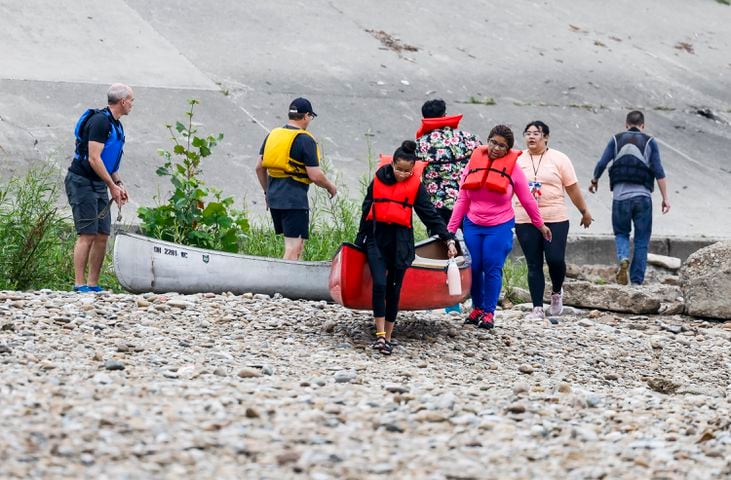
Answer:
(289, 161)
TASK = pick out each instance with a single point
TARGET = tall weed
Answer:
(36, 239)
(30, 226)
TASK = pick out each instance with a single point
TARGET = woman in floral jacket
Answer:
(446, 149)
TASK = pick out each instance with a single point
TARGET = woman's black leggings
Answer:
(387, 280)
(534, 248)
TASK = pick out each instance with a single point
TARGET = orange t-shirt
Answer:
(554, 171)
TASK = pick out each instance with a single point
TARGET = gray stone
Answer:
(517, 407)
(114, 365)
(673, 328)
(525, 368)
(397, 388)
(519, 388)
(616, 298)
(446, 401)
(249, 373)
(670, 263)
(345, 376)
(705, 279)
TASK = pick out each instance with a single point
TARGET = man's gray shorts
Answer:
(87, 199)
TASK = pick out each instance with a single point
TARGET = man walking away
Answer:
(94, 169)
(636, 165)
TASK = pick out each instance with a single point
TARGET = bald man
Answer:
(92, 177)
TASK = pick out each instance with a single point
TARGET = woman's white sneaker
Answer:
(556, 303)
(536, 314)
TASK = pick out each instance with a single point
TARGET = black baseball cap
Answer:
(301, 105)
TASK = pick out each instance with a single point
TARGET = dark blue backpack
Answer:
(112, 153)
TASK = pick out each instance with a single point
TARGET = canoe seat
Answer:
(435, 263)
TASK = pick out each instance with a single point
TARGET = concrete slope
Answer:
(368, 67)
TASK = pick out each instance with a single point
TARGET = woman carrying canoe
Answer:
(484, 203)
(386, 233)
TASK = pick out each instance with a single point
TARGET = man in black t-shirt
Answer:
(289, 160)
(94, 169)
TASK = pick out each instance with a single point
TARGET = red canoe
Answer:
(425, 282)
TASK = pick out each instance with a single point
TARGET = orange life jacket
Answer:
(491, 174)
(394, 203)
(429, 124)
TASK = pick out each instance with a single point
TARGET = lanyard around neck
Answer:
(533, 165)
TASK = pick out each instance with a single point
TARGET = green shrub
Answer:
(30, 228)
(36, 239)
(188, 217)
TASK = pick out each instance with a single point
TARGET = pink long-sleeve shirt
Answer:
(487, 208)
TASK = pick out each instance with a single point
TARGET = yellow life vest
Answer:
(276, 158)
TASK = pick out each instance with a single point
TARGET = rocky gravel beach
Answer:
(117, 386)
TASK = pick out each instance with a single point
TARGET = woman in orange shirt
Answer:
(550, 173)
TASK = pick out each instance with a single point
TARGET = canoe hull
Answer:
(144, 264)
(423, 288)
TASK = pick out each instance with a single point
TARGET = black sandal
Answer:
(387, 348)
(379, 343)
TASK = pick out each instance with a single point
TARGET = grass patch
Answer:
(480, 101)
(515, 275)
(586, 106)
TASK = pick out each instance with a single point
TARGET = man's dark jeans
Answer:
(637, 211)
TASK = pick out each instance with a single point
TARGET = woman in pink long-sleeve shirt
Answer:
(486, 215)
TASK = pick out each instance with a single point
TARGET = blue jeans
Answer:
(637, 211)
(489, 247)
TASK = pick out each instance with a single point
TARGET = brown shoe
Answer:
(622, 277)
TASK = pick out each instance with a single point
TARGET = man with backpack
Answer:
(94, 169)
(635, 167)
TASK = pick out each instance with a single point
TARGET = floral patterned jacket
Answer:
(447, 152)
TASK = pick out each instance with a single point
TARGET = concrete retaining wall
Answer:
(599, 249)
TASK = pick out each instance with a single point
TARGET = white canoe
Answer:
(144, 264)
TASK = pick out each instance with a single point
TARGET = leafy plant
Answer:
(188, 217)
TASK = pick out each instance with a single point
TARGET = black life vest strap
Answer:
(504, 174)
(404, 203)
(490, 169)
